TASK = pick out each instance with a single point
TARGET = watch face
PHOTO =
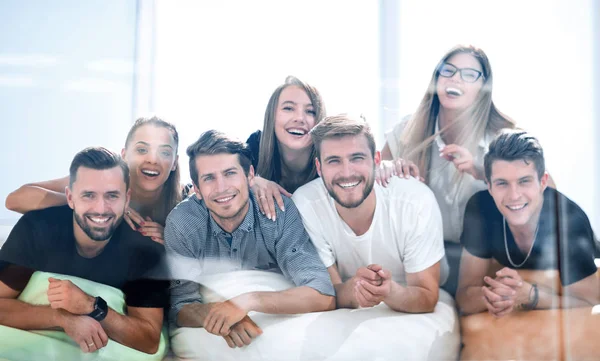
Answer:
(100, 309)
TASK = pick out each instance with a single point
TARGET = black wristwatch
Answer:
(100, 309)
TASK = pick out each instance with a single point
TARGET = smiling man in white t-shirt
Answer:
(378, 244)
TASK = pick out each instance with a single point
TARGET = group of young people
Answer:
(309, 197)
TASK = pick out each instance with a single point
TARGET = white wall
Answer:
(542, 57)
(66, 72)
(217, 63)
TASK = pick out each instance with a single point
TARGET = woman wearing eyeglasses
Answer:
(447, 137)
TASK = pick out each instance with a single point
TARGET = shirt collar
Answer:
(247, 224)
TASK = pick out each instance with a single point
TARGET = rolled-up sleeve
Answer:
(297, 257)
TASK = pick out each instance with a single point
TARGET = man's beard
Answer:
(97, 233)
(366, 191)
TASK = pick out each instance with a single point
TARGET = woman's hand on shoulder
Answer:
(146, 227)
(267, 193)
(396, 168)
(462, 159)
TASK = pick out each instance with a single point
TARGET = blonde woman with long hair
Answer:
(445, 140)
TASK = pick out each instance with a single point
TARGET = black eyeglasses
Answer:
(469, 75)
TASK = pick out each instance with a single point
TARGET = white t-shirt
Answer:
(452, 196)
(405, 234)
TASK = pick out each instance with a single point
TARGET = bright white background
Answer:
(208, 64)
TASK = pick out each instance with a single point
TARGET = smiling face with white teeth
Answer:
(98, 199)
(224, 188)
(294, 118)
(151, 156)
(347, 168)
(517, 191)
(453, 92)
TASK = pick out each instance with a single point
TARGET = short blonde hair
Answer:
(339, 126)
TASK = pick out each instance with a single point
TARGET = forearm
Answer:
(30, 197)
(132, 332)
(292, 301)
(470, 300)
(345, 295)
(548, 299)
(193, 314)
(24, 316)
(412, 299)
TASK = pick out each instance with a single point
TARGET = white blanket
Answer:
(373, 334)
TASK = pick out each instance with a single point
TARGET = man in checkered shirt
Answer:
(222, 230)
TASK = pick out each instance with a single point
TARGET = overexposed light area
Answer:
(217, 63)
(541, 54)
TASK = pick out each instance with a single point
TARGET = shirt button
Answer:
(293, 249)
(177, 282)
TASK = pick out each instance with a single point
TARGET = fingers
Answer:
(284, 192)
(504, 312)
(385, 274)
(368, 300)
(279, 199)
(237, 339)
(271, 212)
(360, 299)
(264, 205)
(406, 169)
(502, 305)
(510, 282)
(369, 275)
(378, 175)
(84, 347)
(491, 296)
(158, 240)
(229, 341)
(497, 285)
(129, 222)
(245, 338)
(508, 272)
(374, 267)
(224, 328)
(388, 173)
(135, 216)
(54, 295)
(98, 344)
(414, 170)
(252, 329)
(55, 285)
(103, 337)
(374, 290)
(152, 231)
(209, 323)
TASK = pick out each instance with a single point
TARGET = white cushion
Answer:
(376, 333)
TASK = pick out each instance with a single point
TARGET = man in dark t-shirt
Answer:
(86, 239)
(523, 225)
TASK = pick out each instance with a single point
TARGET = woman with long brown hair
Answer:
(282, 153)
